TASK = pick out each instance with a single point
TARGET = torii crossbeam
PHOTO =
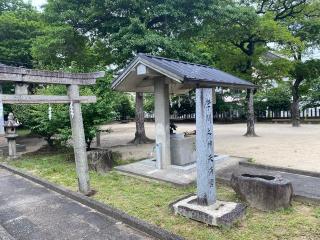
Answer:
(21, 77)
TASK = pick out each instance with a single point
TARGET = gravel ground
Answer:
(277, 144)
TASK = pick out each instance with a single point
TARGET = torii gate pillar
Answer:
(79, 144)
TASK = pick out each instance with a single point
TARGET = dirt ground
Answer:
(277, 144)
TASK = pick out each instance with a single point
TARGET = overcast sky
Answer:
(38, 3)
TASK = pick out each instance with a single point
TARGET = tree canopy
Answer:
(19, 25)
(264, 41)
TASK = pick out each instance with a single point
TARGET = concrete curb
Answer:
(280, 169)
(306, 200)
(133, 222)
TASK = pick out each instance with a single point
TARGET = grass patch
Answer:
(317, 212)
(149, 201)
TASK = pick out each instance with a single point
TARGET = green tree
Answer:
(61, 46)
(273, 98)
(20, 24)
(36, 117)
(100, 112)
(129, 27)
(184, 104)
(124, 106)
(14, 6)
(238, 33)
(305, 27)
(57, 129)
(312, 98)
(148, 103)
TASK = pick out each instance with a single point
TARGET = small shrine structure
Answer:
(163, 76)
(22, 77)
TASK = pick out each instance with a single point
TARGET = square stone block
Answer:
(183, 150)
(219, 214)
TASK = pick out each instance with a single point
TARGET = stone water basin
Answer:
(264, 192)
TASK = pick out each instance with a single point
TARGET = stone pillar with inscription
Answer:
(204, 207)
(206, 189)
(78, 138)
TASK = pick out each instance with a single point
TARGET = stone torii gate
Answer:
(163, 76)
(22, 77)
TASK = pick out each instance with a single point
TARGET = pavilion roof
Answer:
(184, 73)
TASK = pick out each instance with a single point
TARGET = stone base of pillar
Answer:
(221, 214)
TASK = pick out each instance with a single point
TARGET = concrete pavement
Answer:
(30, 211)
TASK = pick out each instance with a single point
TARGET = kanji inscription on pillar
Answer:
(206, 189)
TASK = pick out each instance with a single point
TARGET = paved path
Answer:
(30, 211)
(304, 187)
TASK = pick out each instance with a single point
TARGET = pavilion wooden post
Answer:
(161, 110)
(206, 189)
(78, 138)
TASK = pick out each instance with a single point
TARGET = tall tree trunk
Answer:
(250, 114)
(140, 135)
(295, 112)
(249, 51)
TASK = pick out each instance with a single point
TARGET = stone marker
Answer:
(204, 207)
(206, 183)
(263, 192)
